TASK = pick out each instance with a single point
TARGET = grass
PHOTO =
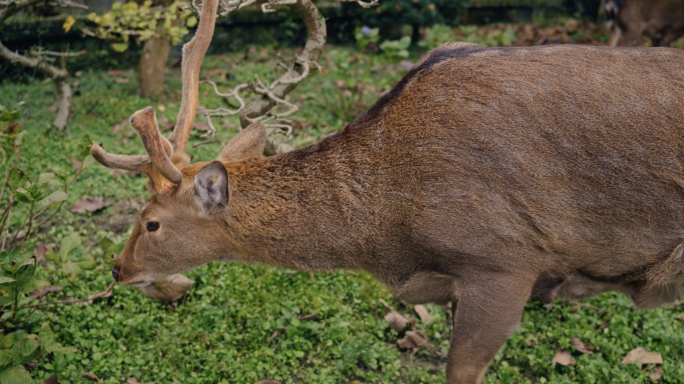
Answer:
(221, 331)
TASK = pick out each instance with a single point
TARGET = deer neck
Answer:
(307, 209)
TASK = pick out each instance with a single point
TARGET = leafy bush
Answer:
(143, 22)
(437, 35)
(396, 48)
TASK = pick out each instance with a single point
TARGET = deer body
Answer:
(486, 177)
(662, 21)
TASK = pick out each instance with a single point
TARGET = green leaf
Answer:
(5, 357)
(4, 279)
(191, 22)
(7, 341)
(44, 178)
(84, 146)
(10, 116)
(87, 263)
(52, 256)
(4, 300)
(105, 245)
(75, 254)
(48, 341)
(68, 243)
(17, 179)
(24, 350)
(54, 197)
(15, 374)
(120, 47)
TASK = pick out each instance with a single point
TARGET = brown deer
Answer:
(662, 21)
(486, 177)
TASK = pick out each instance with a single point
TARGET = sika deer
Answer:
(487, 176)
(662, 21)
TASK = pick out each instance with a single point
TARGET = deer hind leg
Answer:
(489, 309)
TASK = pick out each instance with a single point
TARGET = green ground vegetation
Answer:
(223, 330)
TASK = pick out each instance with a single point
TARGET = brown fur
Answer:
(487, 176)
(661, 21)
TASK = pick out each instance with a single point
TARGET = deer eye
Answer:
(152, 226)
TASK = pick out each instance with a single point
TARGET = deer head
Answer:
(175, 231)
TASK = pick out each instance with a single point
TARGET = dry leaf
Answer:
(563, 357)
(579, 346)
(529, 343)
(170, 288)
(643, 356)
(396, 321)
(76, 84)
(268, 382)
(54, 107)
(423, 313)
(78, 73)
(277, 332)
(134, 204)
(120, 80)
(128, 134)
(91, 204)
(116, 128)
(76, 163)
(169, 126)
(656, 374)
(52, 380)
(40, 251)
(679, 317)
(39, 294)
(91, 376)
(307, 317)
(406, 65)
(116, 72)
(215, 71)
(201, 126)
(413, 340)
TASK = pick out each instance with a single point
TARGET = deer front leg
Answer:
(489, 309)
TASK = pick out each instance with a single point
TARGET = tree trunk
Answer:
(64, 103)
(152, 66)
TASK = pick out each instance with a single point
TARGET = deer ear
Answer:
(250, 142)
(211, 188)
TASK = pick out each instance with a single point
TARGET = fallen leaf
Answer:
(579, 346)
(277, 332)
(40, 251)
(423, 313)
(307, 317)
(134, 203)
(679, 317)
(91, 376)
(643, 356)
(38, 294)
(120, 80)
(563, 357)
(91, 204)
(529, 343)
(215, 71)
(169, 126)
(99, 295)
(200, 126)
(116, 72)
(76, 163)
(54, 107)
(170, 288)
(76, 84)
(268, 382)
(52, 380)
(396, 321)
(116, 128)
(657, 373)
(128, 134)
(413, 340)
(118, 172)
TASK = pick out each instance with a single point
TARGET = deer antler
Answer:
(166, 156)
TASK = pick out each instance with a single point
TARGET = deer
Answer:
(487, 177)
(662, 21)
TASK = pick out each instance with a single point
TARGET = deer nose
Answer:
(115, 273)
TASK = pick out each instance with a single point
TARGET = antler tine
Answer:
(193, 53)
(158, 148)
